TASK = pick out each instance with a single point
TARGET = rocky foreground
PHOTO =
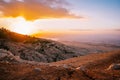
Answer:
(91, 67)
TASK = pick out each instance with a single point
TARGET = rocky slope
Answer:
(35, 49)
(22, 57)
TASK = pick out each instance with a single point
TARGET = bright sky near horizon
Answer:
(59, 15)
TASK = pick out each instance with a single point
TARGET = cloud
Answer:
(34, 9)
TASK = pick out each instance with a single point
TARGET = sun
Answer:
(22, 26)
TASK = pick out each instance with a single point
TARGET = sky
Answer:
(100, 13)
(97, 14)
(62, 17)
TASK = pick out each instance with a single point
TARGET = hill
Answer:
(35, 49)
(23, 57)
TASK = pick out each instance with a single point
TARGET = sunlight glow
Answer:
(22, 26)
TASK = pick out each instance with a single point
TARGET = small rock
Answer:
(37, 69)
(65, 66)
(81, 68)
(114, 67)
(78, 68)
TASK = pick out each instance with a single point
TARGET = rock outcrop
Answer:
(6, 56)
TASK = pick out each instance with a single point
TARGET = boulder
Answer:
(6, 56)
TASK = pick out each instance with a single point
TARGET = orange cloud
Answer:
(34, 9)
